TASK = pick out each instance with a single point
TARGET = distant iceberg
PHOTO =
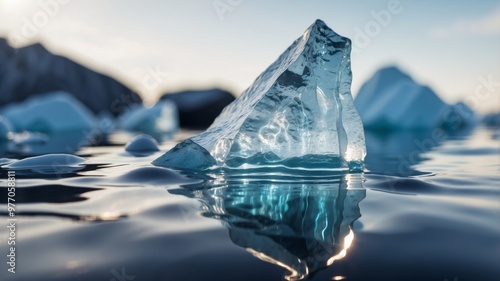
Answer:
(391, 99)
(50, 113)
(162, 118)
(459, 115)
(298, 114)
(492, 119)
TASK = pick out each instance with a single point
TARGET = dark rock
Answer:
(199, 108)
(33, 70)
(492, 119)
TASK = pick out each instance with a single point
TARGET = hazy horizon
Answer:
(158, 46)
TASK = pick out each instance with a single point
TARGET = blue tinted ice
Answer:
(162, 118)
(51, 112)
(142, 144)
(392, 100)
(49, 164)
(303, 227)
(298, 114)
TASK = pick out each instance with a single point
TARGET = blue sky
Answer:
(156, 46)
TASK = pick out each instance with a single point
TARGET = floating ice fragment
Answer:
(48, 164)
(160, 119)
(153, 176)
(298, 114)
(52, 112)
(142, 144)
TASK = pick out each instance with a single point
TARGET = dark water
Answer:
(427, 208)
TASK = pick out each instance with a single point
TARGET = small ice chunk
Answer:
(48, 164)
(5, 161)
(162, 118)
(49, 113)
(298, 114)
(153, 176)
(142, 144)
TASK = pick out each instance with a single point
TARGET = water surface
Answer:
(426, 208)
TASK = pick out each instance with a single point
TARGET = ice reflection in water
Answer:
(300, 226)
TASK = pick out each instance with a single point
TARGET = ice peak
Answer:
(298, 114)
(320, 29)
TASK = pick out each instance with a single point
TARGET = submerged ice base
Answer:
(298, 114)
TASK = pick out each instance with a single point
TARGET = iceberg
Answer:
(162, 118)
(392, 100)
(460, 115)
(298, 114)
(491, 120)
(49, 113)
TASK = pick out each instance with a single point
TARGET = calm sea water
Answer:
(427, 208)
